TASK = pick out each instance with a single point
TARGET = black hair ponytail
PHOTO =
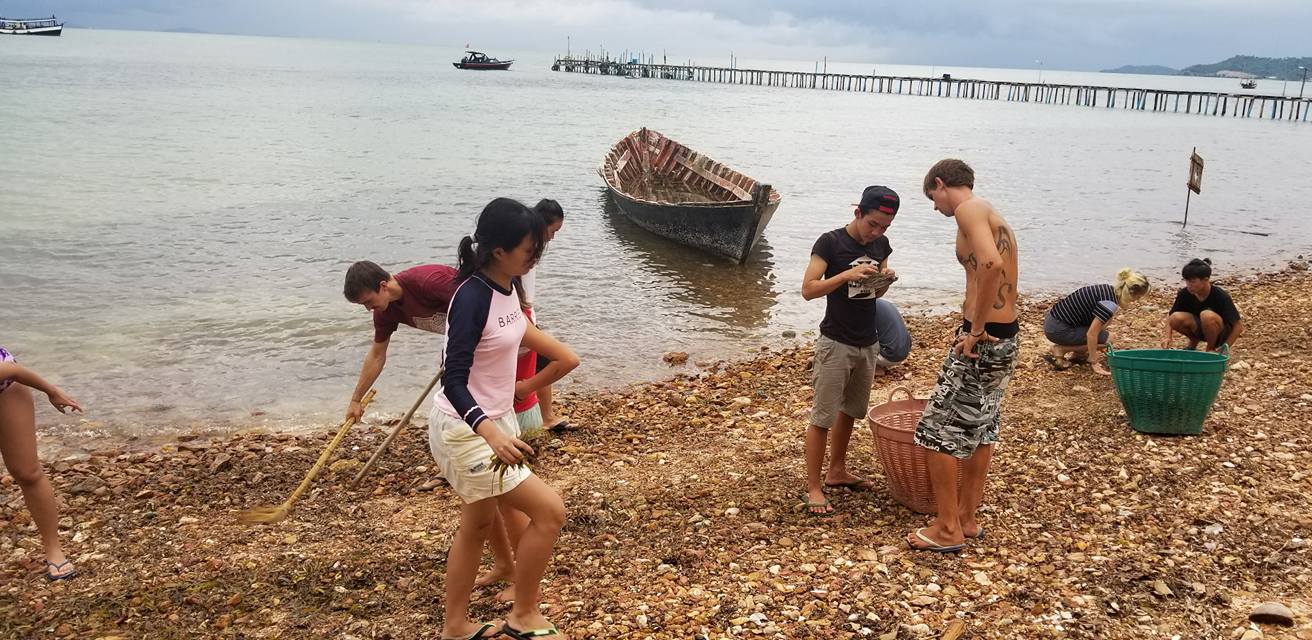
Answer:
(1197, 269)
(503, 224)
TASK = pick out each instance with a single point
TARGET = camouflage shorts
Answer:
(966, 408)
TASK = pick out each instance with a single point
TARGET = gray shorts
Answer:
(965, 409)
(1065, 335)
(841, 375)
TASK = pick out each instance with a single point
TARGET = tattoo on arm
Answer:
(1004, 290)
(1005, 242)
(968, 262)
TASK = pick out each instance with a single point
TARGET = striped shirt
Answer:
(483, 329)
(1086, 303)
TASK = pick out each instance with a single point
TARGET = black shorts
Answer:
(1224, 338)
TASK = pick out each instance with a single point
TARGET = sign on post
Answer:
(1195, 182)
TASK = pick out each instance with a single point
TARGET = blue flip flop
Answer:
(62, 576)
(934, 546)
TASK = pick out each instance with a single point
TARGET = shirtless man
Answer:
(960, 424)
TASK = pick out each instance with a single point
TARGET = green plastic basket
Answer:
(1167, 390)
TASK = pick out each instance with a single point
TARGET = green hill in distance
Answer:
(1233, 67)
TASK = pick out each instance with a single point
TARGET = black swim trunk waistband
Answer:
(1001, 330)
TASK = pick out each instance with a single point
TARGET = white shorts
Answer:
(466, 459)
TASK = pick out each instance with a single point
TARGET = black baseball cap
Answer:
(881, 199)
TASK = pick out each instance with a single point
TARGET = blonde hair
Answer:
(1130, 286)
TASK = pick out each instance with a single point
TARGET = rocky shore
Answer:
(684, 517)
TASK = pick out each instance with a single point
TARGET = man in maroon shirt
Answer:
(418, 296)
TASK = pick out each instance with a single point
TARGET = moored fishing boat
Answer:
(479, 61)
(31, 26)
(676, 192)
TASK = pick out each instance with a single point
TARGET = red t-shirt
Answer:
(526, 367)
(426, 293)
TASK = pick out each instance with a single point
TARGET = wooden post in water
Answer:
(1195, 183)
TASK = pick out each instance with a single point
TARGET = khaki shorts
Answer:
(841, 375)
(466, 459)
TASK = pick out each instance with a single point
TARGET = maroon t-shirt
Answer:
(426, 293)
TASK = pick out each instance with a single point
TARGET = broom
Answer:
(405, 420)
(272, 514)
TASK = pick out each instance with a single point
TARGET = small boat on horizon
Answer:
(479, 61)
(680, 194)
(31, 26)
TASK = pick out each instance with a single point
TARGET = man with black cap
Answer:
(849, 266)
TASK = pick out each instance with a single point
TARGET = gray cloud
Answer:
(1075, 34)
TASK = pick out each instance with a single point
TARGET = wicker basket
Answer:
(894, 426)
(1168, 391)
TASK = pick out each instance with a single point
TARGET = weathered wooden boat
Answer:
(479, 61)
(675, 192)
(31, 26)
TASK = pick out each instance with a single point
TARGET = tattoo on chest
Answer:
(1004, 290)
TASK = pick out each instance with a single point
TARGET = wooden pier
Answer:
(1238, 105)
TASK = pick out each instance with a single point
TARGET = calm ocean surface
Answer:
(177, 211)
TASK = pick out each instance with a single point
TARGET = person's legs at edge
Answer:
(546, 514)
(840, 435)
(946, 528)
(503, 558)
(462, 561)
(515, 522)
(855, 399)
(18, 449)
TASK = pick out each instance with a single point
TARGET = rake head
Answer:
(266, 515)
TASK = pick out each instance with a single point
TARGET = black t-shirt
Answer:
(1217, 300)
(850, 310)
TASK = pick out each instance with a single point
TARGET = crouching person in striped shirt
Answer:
(1077, 324)
(473, 420)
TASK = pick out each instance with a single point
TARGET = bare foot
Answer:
(848, 480)
(970, 528)
(507, 594)
(496, 575)
(938, 538)
(817, 504)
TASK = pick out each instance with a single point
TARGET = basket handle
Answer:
(901, 388)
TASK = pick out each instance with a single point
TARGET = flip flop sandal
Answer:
(860, 484)
(60, 576)
(481, 634)
(1056, 366)
(934, 546)
(531, 633)
(811, 506)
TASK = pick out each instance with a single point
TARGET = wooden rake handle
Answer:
(405, 420)
(328, 451)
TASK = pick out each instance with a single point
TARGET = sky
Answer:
(1064, 34)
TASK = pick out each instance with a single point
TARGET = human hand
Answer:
(522, 389)
(966, 343)
(354, 411)
(859, 272)
(509, 449)
(62, 401)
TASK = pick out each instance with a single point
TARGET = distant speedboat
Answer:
(1247, 84)
(480, 62)
(31, 26)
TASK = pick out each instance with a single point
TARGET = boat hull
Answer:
(483, 66)
(680, 194)
(730, 231)
(36, 31)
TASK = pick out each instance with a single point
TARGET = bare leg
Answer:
(462, 563)
(549, 418)
(18, 448)
(974, 471)
(546, 513)
(815, 458)
(515, 524)
(840, 435)
(1183, 324)
(1212, 328)
(503, 557)
(946, 527)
